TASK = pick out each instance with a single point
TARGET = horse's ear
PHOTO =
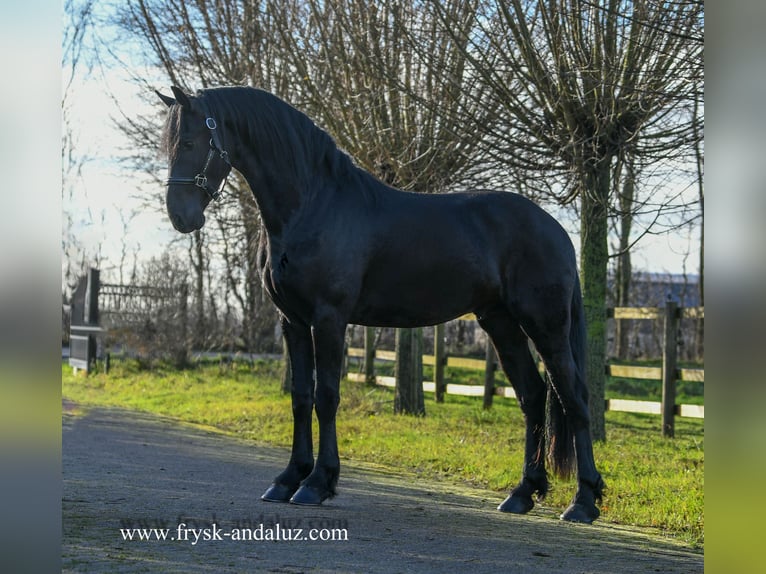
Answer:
(181, 98)
(167, 99)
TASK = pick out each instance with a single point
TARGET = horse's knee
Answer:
(327, 401)
(302, 403)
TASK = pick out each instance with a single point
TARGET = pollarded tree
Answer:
(577, 86)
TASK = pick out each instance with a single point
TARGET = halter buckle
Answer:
(200, 180)
(210, 123)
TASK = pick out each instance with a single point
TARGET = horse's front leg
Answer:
(328, 332)
(301, 355)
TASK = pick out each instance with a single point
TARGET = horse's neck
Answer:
(277, 202)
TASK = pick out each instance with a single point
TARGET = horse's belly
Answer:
(419, 300)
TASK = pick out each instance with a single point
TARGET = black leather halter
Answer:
(200, 180)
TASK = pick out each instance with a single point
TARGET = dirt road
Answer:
(124, 470)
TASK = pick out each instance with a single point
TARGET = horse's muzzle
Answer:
(187, 224)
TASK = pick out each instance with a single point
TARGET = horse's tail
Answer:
(561, 448)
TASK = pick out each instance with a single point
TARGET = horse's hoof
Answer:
(580, 513)
(308, 496)
(517, 504)
(278, 493)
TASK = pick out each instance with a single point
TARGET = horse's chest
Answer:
(280, 277)
(291, 281)
(284, 276)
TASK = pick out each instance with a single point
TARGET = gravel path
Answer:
(125, 470)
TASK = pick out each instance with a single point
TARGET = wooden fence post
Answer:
(440, 360)
(93, 284)
(91, 314)
(669, 360)
(489, 374)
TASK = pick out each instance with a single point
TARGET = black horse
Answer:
(342, 247)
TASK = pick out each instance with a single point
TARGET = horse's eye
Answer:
(187, 144)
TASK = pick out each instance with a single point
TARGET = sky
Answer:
(110, 194)
(109, 191)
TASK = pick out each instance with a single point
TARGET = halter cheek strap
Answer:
(200, 180)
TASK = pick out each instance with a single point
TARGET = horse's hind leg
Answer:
(572, 395)
(299, 347)
(516, 360)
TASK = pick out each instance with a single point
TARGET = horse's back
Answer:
(504, 226)
(435, 257)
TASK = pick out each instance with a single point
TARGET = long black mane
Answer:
(286, 140)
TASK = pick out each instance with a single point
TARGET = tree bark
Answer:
(198, 264)
(409, 373)
(594, 257)
(369, 356)
(440, 361)
(287, 373)
(624, 267)
(701, 190)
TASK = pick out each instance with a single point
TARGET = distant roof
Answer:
(666, 278)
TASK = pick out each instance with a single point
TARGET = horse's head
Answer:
(197, 163)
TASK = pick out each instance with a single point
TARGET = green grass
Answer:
(651, 481)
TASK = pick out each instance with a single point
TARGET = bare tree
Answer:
(383, 97)
(579, 84)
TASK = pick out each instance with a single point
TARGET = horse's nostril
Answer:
(186, 223)
(176, 220)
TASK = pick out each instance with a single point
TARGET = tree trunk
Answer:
(440, 360)
(253, 284)
(489, 374)
(409, 372)
(623, 326)
(287, 373)
(594, 257)
(182, 356)
(198, 263)
(701, 189)
(624, 267)
(369, 356)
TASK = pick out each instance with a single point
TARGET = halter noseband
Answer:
(200, 180)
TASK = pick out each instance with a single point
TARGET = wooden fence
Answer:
(98, 308)
(668, 372)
